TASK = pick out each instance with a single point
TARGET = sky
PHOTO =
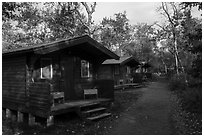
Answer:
(137, 12)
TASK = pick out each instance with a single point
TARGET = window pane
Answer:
(86, 69)
(46, 67)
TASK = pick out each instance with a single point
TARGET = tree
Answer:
(173, 13)
(31, 23)
(115, 32)
(142, 42)
(192, 38)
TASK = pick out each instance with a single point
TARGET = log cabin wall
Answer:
(14, 83)
(124, 75)
(39, 102)
(81, 83)
(106, 72)
(39, 98)
(35, 71)
(58, 79)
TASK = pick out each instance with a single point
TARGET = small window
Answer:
(128, 70)
(86, 69)
(46, 69)
(116, 70)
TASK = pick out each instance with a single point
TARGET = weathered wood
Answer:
(50, 121)
(40, 98)
(90, 92)
(8, 113)
(13, 83)
(31, 120)
(19, 116)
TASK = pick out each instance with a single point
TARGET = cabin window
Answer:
(116, 68)
(46, 69)
(86, 69)
(128, 70)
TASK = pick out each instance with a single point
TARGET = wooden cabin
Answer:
(54, 78)
(119, 70)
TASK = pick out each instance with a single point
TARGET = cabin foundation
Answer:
(31, 120)
(8, 113)
(50, 121)
(19, 116)
(14, 115)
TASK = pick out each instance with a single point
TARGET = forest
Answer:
(178, 56)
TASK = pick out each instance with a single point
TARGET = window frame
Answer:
(88, 68)
(41, 68)
(128, 70)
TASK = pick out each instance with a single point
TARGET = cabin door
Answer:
(67, 67)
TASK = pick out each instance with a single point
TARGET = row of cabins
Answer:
(34, 78)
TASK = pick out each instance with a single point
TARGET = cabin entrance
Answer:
(67, 68)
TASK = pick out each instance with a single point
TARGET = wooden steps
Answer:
(126, 86)
(99, 116)
(92, 112)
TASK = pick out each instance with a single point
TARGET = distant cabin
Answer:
(120, 71)
(34, 77)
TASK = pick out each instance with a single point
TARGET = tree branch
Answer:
(166, 11)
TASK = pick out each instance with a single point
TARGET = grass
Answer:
(188, 114)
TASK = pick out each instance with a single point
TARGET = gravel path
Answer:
(149, 115)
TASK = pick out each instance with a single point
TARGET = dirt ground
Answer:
(149, 115)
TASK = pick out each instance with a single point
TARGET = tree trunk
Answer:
(165, 67)
(176, 53)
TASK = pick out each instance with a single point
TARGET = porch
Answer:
(71, 106)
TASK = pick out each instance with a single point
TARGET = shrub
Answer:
(192, 99)
(177, 82)
(137, 77)
(190, 91)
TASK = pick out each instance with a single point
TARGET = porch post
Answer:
(50, 121)
(8, 113)
(31, 120)
(19, 116)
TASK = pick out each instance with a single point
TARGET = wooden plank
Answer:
(99, 116)
(15, 97)
(38, 89)
(34, 95)
(40, 106)
(16, 101)
(39, 99)
(17, 86)
(90, 91)
(13, 77)
(13, 92)
(16, 69)
(8, 73)
(13, 61)
(13, 82)
(12, 89)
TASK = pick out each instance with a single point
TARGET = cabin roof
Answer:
(91, 45)
(130, 61)
(146, 65)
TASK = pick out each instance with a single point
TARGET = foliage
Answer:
(177, 83)
(142, 42)
(192, 100)
(115, 32)
(30, 23)
(189, 92)
(192, 4)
